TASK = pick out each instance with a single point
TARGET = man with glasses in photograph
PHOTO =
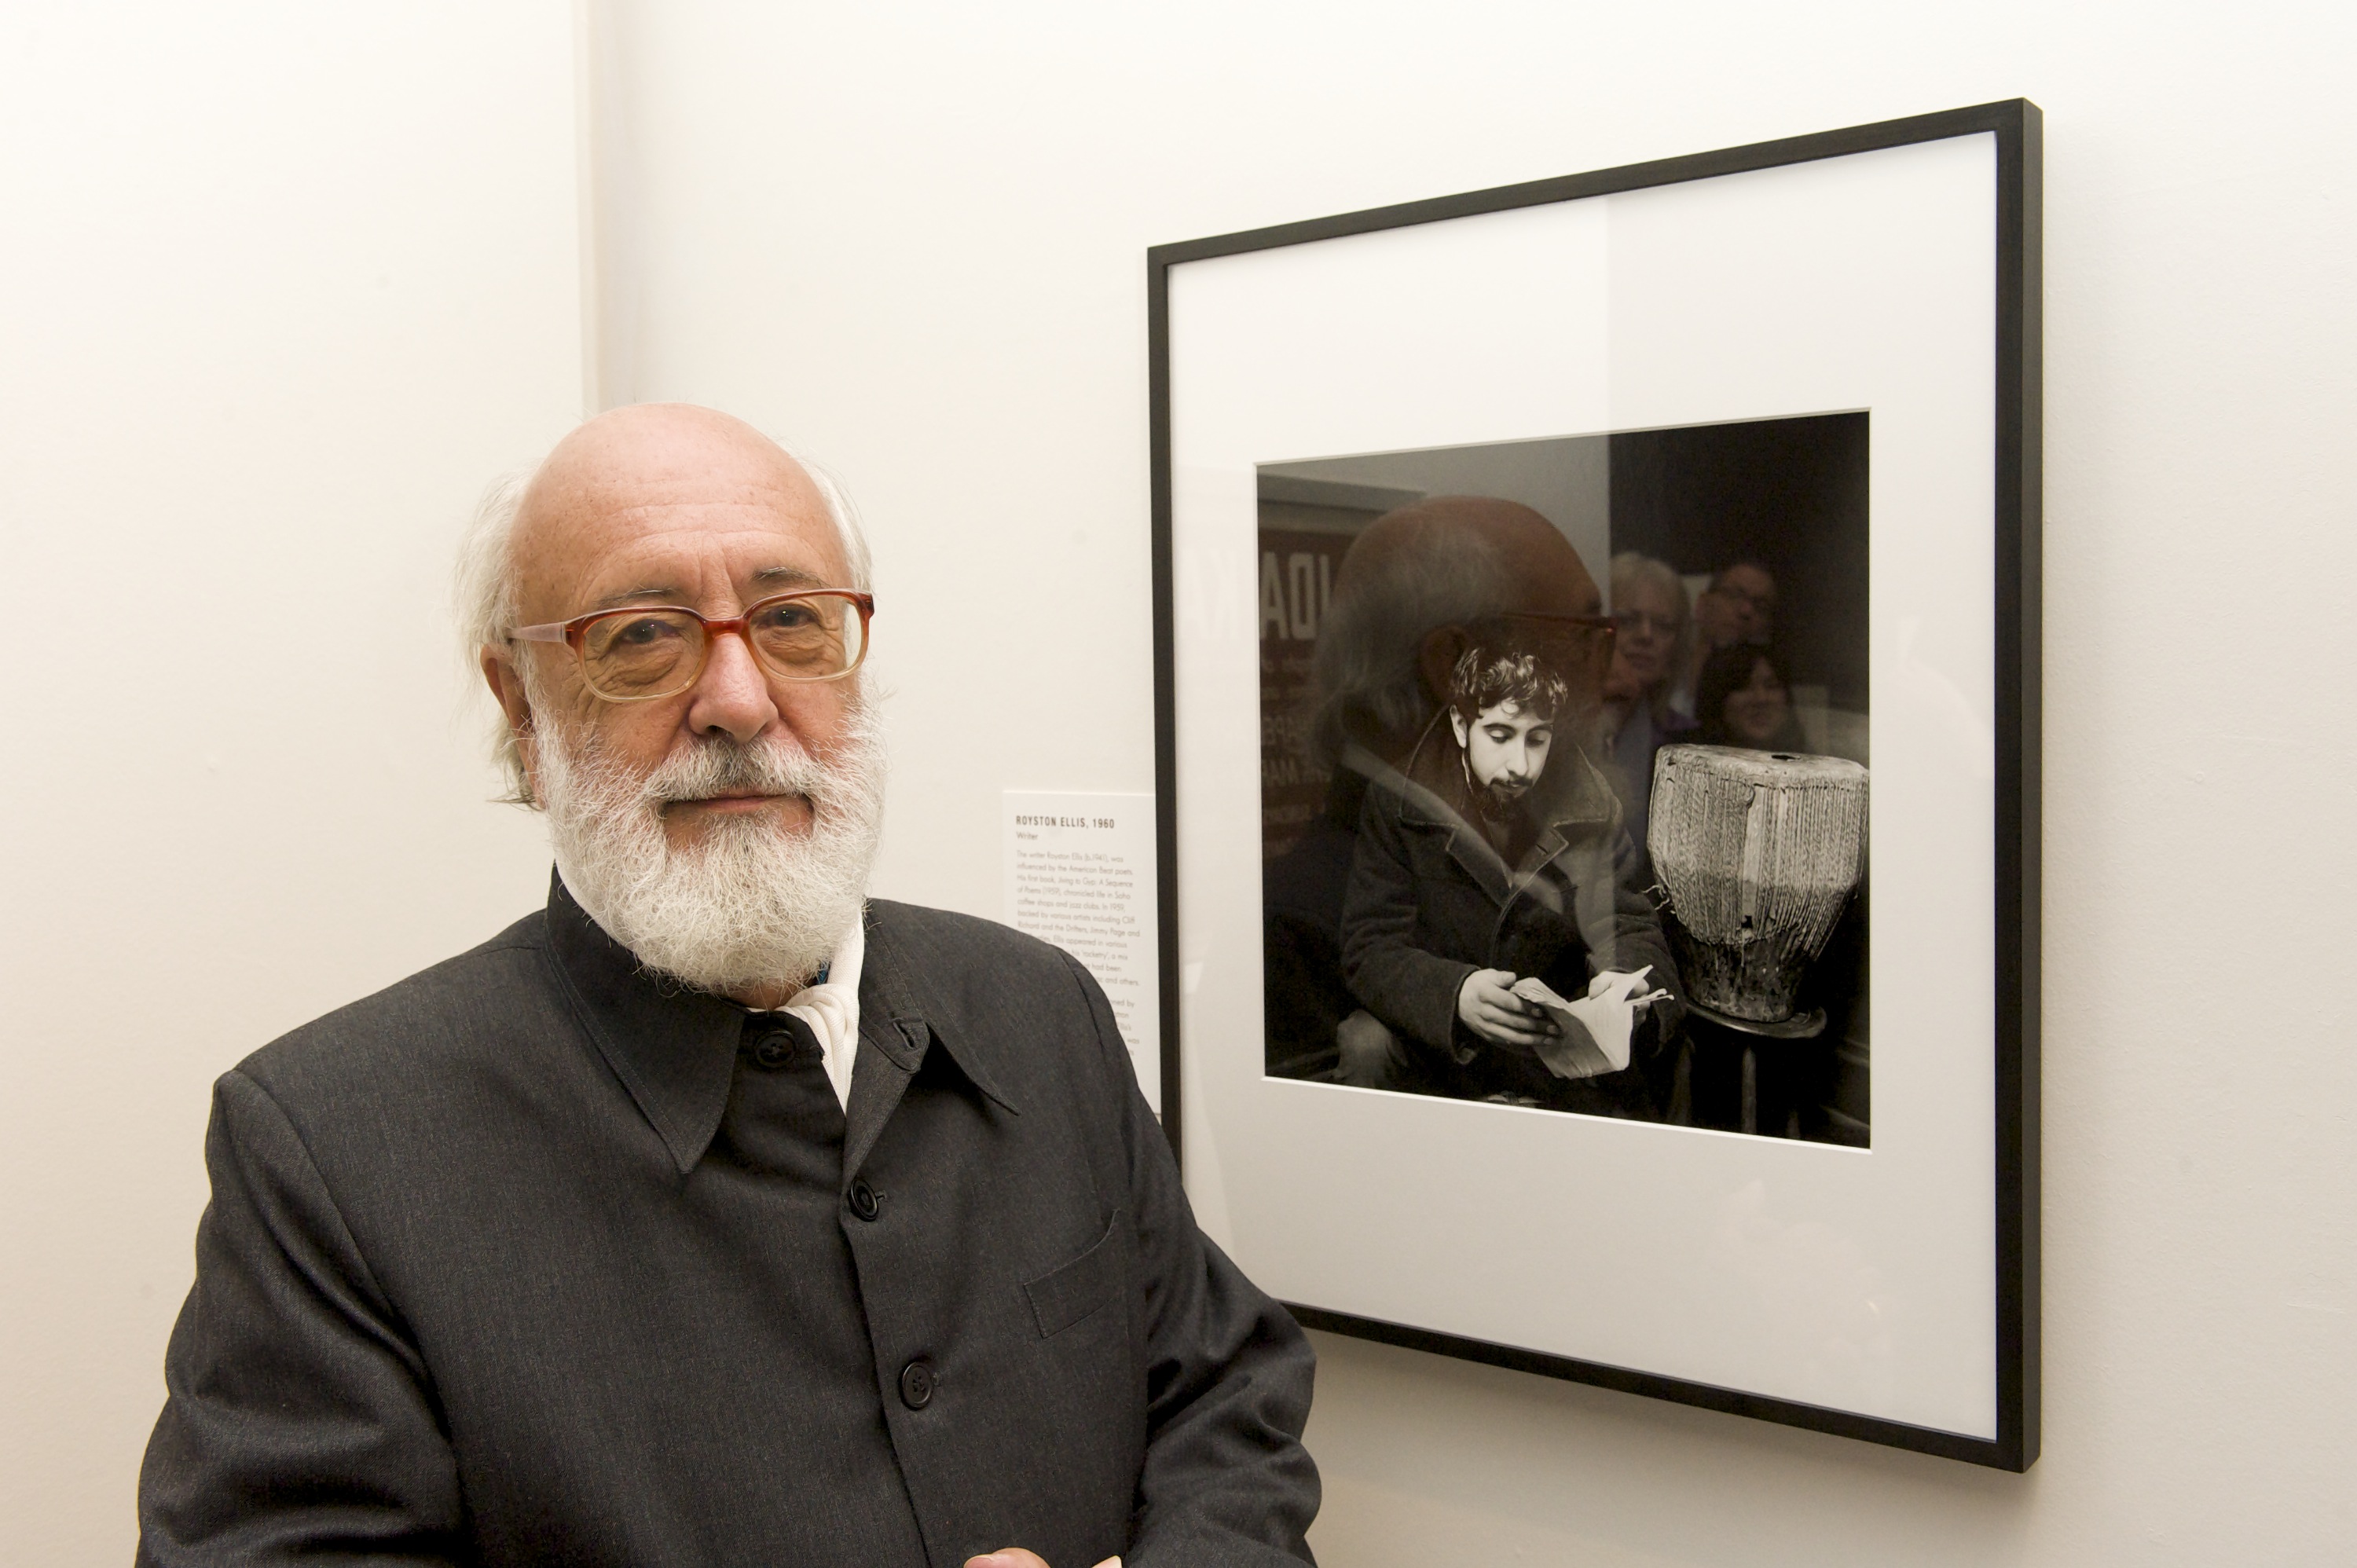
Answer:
(716, 1212)
(1651, 636)
(1738, 608)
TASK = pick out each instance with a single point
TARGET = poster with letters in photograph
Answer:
(1597, 640)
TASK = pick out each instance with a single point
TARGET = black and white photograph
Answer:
(1565, 769)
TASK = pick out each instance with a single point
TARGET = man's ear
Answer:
(1435, 660)
(506, 683)
(1457, 724)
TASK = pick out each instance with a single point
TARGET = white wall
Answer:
(282, 286)
(912, 239)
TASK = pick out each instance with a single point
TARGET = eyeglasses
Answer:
(1579, 647)
(1541, 626)
(1642, 621)
(646, 652)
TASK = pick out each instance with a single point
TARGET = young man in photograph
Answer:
(1495, 855)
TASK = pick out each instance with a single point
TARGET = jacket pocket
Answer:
(1066, 1295)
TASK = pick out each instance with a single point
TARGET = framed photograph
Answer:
(1596, 657)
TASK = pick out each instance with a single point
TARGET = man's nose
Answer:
(732, 696)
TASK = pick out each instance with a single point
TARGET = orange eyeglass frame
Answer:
(571, 633)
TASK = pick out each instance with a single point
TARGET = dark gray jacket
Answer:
(528, 1260)
(1430, 901)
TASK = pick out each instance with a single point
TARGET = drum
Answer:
(1757, 853)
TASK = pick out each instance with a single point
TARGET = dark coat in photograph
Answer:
(534, 1259)
(1304, 999)
(1430, 902)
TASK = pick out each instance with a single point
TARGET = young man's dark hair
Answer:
(1486, 677)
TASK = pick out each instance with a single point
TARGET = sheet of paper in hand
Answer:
(1596, 1028)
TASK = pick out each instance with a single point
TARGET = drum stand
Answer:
(1749, 1033)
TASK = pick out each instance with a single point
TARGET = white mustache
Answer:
(716, 765)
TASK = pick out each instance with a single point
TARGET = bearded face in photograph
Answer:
(1506, 748)
(1502, 708)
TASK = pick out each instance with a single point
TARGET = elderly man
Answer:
(712, 1215)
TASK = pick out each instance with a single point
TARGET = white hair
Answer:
(1631, 567)
(485, 593)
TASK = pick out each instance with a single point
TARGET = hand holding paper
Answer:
(1492, 1008)
(1596, 1028)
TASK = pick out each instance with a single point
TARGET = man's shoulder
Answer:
(943, 942)
(1021, 1014)
(456, 1007)
(961, 968)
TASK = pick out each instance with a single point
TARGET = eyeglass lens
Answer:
(655, 652)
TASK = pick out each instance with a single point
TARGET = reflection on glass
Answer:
(1461, 739)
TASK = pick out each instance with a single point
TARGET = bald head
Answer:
(632, 487)
(1536, 570)
(1413, 589)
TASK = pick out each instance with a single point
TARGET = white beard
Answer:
(749, 906)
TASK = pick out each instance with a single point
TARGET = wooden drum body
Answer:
(1757, 852)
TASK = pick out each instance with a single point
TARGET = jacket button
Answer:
(866, 1201)
(917, 1384)
(773, 1051)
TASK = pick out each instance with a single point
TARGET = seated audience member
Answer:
(715, 1213)
(1739, 606)
(1650, 630)
(1497, 853)
(1747, 590)
(1743, 699)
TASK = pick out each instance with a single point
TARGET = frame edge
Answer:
(1165, 712)
(1991, 1453)
(2002, 117)
(2019, 642)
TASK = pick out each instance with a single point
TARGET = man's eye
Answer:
(788, 617)
(645, 632)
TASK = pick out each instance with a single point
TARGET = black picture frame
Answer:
(2015, 125)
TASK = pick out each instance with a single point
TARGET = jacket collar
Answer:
(1575, 806)
(906, 1008)
(674, 1048)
